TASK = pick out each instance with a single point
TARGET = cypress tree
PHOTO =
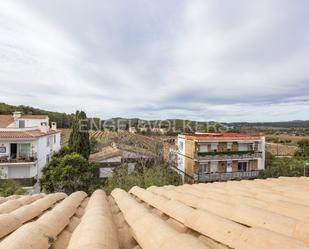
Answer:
(79, 137)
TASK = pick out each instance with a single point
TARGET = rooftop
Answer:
(259, 214)
(26, 134)
(6, 120)
(221, 136)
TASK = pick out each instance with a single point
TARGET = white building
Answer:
(26, 144)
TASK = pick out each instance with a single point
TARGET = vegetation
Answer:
(278, 140)
(156, 175)
(303, 148)
(69, 172)
(93, 145)
(63, 120)
(282, 166)
(10, 187)
(79, 138)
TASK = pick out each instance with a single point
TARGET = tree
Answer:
(79, 137)
(284, 166)
(160, 176)
(121, 179)
(93, 145)
(143, 177)
(69, 173)
(303, 148)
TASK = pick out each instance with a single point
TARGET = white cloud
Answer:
(224, 60)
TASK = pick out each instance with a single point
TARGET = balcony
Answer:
(18, 160)
(227, 176)
(228, 155)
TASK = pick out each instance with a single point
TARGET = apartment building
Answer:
(207, 157)
(27, 142)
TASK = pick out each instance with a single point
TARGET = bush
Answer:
(10, 187)
(284, 166)
(142, 177)
(69, 173)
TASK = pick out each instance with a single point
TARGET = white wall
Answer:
(181, 148)
(29, 122)
(261, 161)
(20, 171)
(7, 146)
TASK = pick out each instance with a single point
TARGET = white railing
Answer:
(226, 176)
(221, 156)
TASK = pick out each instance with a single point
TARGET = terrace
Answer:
(227, 176)
(227, 155)
(20, 159)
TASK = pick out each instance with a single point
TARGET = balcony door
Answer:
(242, 166)
(213, 167)
(13, 151)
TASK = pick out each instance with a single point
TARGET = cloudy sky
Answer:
(219, 60)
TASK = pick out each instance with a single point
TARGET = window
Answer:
(214, 147)
(47, 159)
(229, 146)
(203, 168)
(242, 166)
(21, 123)
(242, 147)
(256, 146)
(55, 139)
(47, 141)
(214, 167)
(24, 150)
(229, 166)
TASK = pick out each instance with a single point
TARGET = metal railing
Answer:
(226, 176)
(20, 159)
(228, 155)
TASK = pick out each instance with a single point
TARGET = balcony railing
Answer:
(228, 155)
(226, 176)
(20, 159)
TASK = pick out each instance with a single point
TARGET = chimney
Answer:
(44, 127)
(16, 115)
(54, 126)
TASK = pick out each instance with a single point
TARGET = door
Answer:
(214, 167)
(229, 167)
(13, 151)
(242, 166)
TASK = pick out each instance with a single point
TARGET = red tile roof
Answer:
(6, 120)
(25, 134)
(222, 136)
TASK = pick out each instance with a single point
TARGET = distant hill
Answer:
(63, 120)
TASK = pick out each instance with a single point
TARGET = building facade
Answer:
(208, 157)
(27, 142)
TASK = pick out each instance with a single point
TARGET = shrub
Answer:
(10, 187)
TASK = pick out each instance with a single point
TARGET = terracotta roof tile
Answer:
(221, 136)
(25, 134)
(262, 214)
(6, 120)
